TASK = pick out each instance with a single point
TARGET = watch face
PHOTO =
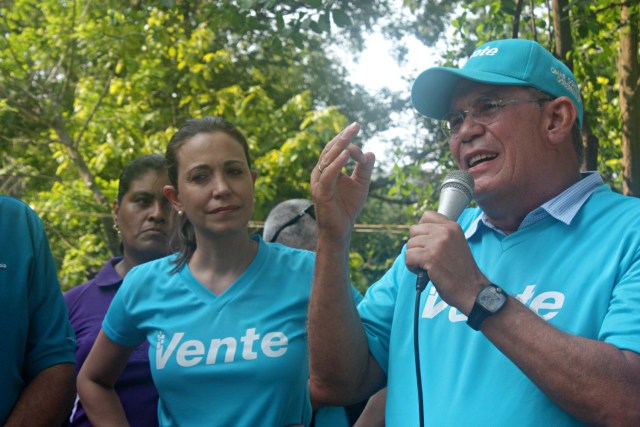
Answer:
(491, 298)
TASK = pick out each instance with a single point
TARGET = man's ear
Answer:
(562, 114)
(171, 194)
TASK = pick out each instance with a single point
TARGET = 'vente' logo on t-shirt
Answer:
(191, 352)
(546, 305)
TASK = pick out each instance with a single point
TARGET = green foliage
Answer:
(85, 87)
(88, 86)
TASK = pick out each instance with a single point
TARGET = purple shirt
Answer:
(88, 304)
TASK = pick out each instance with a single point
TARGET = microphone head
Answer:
(460, 180)
(456, 192)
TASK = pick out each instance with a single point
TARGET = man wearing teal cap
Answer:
(531, 313)
(511, 62)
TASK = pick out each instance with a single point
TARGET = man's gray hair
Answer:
(301, 234)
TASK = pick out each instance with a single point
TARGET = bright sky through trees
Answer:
(376, 68)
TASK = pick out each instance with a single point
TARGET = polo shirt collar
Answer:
(108, 276)
(563, 207)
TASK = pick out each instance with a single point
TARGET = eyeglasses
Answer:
(308, 210)
(484, 111)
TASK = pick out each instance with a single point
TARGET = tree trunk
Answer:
(591, 147)
(564, 45)
(630, 100)
(87, 177)
(562, 32)
(515, 30)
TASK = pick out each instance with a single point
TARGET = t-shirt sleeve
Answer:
(377, 310)
(50, 336)
(357, 296)
(119, 323)
(621, 326)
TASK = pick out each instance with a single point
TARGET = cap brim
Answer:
(432, 90)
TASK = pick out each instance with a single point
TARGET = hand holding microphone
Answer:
(456, 192)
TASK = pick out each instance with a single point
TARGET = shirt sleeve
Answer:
(357, 296)
(621, 326)
(50, 336)
(377, 309)
(119, 323)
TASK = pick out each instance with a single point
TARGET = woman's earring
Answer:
(116, 228)
(180, 213)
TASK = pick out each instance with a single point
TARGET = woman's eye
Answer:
(144, 202)
(198, 177)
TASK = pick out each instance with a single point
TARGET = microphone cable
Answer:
(455, 194)
(421, 283)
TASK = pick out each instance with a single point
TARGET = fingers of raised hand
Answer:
(336, 146)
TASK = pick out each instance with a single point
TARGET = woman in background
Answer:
(140, 215)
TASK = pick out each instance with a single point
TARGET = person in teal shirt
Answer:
(225, 316)
(37, 358)
(530, 316)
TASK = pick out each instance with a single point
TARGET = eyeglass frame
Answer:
(501, 103)
(310, 210)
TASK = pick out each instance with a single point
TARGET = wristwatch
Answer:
(488, 301)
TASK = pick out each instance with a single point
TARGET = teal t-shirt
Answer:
(236, 359)
(584, 278)
(34, 324)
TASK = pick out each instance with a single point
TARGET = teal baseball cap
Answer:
(509, 62)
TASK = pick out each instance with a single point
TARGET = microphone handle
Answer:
(422, 280)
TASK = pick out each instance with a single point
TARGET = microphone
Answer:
(456, 192)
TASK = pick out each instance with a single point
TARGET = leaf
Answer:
(276, 45)
(340, 18)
